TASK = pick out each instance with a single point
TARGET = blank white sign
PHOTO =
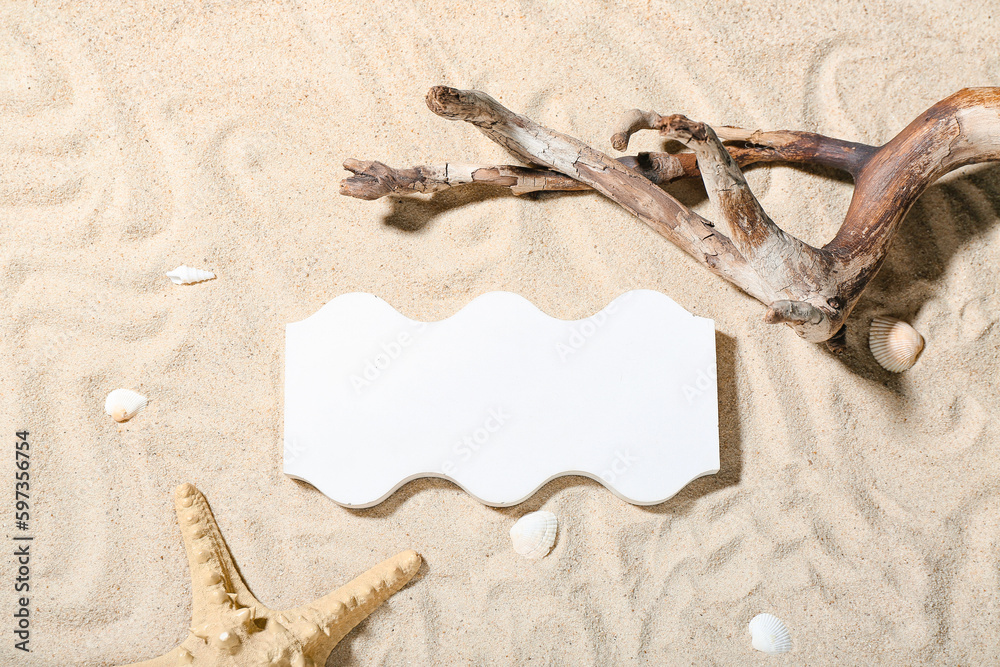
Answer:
(501, 398)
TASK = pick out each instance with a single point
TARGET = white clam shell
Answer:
(894, 343)
(769, 634)
(123, 404)
(534, 534)
(185, 275)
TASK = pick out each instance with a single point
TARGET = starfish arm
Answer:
(230, 627)
(215, 580)
(176, 658)
(324, 622)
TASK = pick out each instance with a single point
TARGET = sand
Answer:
(857, 505)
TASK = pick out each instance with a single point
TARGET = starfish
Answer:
(231, 627)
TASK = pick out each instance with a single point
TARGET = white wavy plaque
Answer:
(500, 398)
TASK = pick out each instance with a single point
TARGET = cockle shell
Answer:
(769, 634)
(534, 534)
(185, 275)
(123, 404)
(894, 343)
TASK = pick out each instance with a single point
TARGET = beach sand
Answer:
(857, 505)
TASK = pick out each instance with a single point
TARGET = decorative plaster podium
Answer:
(501, 398)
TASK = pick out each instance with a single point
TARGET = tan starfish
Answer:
(231, 627)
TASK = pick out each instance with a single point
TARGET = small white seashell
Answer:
(769, 634)
(185, 275)
(894, 343)
(123, 404)
(534, 534)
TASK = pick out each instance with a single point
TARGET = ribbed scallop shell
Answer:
(123, 404)
(534, 534)
(185, 275)
(769, 634)
(894, 343)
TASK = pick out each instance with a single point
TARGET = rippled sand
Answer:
(858, 506)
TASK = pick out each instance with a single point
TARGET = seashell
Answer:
(769, 634)
(894, 343)
(185, 275)
(123, 404)
(534, 534)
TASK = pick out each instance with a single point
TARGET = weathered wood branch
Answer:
(539, 145)
(813, 290)
(373, 180)
(782, 146)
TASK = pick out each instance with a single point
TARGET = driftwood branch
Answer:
(783, 146)
(373, 180)
(813, 290)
